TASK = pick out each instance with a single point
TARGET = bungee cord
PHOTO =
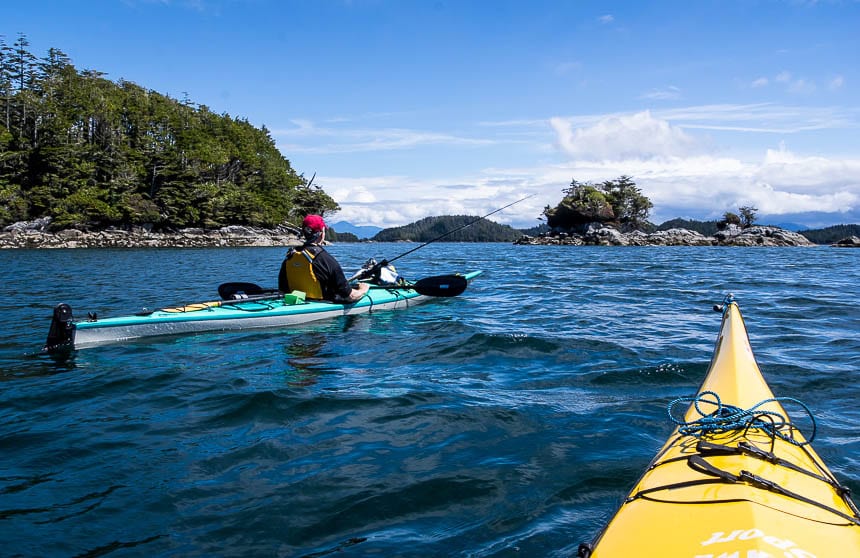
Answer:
(726, 418)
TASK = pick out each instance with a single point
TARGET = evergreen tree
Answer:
(747, 215)
(616, 201)
(91, 153)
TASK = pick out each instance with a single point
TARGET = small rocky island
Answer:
(615, 213)
(596, 234)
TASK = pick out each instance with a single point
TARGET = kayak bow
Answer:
(736, 479)
(260, 311)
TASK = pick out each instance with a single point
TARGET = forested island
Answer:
(92, 154)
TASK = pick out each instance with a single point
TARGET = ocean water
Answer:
(508, 421)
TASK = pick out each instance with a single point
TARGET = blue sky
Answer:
(408, 108)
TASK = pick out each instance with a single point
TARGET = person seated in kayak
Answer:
(314, 271)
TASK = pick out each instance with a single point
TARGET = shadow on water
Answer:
(41, 364)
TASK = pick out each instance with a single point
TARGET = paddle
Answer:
(227, 290)
(441, 285)
(438, 286)
(197, 306)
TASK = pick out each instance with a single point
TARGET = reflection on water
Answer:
(304, 363)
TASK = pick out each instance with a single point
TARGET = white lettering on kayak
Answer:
(719, 537)
(789, 548)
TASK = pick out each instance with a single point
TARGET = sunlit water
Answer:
(508, 421)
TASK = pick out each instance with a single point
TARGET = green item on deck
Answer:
(295, 297)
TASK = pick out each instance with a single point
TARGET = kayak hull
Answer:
(735, 492)
(259, 313)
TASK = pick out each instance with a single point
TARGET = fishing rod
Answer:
(370, 271)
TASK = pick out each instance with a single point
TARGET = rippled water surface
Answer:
(508, 421)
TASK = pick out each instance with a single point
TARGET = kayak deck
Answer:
(735, 479)
(257, 312)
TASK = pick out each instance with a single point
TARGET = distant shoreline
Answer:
(730, 236)
(226, 237)
(240, 236)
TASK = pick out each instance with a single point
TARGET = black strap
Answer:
(701, 465)
(706, 448)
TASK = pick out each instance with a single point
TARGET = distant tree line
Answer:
(431, 228)
(421, 232)
(333, 236)
(831, 235)
(91, 153)
(706, 228)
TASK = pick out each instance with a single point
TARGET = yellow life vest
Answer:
(300, 273)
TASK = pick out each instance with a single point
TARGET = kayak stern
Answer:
(61, 334)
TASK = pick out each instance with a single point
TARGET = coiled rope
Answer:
(726, 418)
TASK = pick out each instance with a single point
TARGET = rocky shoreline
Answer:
(600, 235)
(233, 236)
(35, 235)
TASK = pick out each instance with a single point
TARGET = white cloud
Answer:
(667, 94)
(802, 86)
(810, 174)
(798, 86)
(672, 164)
(627, 136)
(783, 77)
(606, 19)
(356, 193)
(836, 83)
(358, 140)
(682, 183)
(391, 206)
(762, 117)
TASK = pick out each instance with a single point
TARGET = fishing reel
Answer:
(378, 273)
(368, 270)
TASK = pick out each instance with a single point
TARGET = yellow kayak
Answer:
(736, 479)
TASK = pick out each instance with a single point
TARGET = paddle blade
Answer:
(441, 285)
(227, 290)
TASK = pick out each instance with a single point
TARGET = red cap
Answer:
(314, 223)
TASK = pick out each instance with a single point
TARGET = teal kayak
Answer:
(263, 311)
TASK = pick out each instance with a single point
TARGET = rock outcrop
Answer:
(600, 235)
(850, 242)
(35, 235)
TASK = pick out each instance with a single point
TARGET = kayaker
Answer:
(314, 271)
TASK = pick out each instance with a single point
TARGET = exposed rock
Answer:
(760, 236)
(671, 237)
(562, 239)
(578, 213)
(40, 225)
(604, 236)
(70, 234)
(600, 235)
(32, 236)
(850, 242)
